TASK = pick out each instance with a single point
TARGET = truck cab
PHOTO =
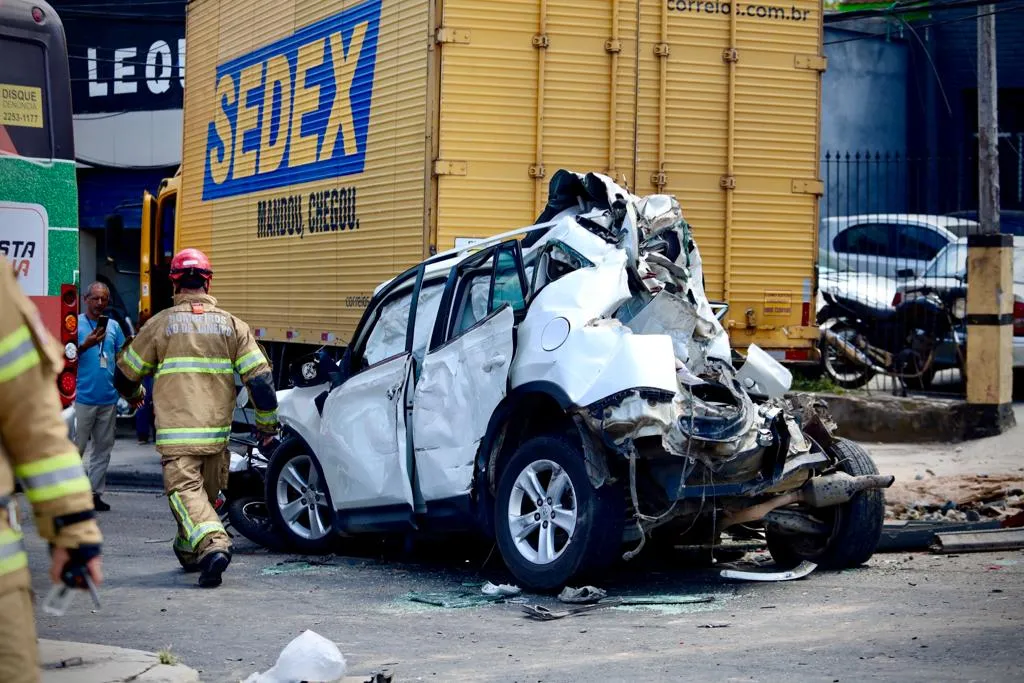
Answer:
(157, 247)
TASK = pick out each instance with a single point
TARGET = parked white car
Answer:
(891, 245)
(566, 393)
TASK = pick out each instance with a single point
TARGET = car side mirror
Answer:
(906, 273)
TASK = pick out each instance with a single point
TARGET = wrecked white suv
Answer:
(567, 389)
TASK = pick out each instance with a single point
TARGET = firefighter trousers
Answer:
(192, 483)
(19, 651)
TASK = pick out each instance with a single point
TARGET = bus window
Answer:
(24, 114)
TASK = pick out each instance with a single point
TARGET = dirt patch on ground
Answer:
(958, 497)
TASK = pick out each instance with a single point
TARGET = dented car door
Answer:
(465, 373)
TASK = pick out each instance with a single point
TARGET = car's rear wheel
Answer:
(852, 530)
(551, 523)
(298, 500)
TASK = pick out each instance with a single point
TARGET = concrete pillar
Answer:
(989, 334)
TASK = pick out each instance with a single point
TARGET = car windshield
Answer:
(952, 262)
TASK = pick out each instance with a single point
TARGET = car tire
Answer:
(856, 526)
(595, 516)
(250, 516)
(290, 467)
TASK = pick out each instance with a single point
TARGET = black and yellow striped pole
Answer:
(989, 334)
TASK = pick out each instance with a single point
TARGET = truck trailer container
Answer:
(330, 145)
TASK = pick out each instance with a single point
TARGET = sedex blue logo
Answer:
(297, 110)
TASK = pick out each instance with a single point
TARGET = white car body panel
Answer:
(296, 410)
(600, 356)
(459, 387)
(362, 445)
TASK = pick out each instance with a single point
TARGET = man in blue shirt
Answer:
(96, 402)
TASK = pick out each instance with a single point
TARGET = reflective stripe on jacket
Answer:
(193, 350)
(34, 444)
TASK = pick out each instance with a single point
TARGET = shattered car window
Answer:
(387, 338)
(472, 306)
(555, 261)
(426, 312)
(507, 286)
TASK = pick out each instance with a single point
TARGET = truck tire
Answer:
(296, 491)
(856, 526)
(564, 529)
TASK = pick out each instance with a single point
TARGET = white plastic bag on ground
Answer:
(310, 657)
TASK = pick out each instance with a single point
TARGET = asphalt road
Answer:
(902, 618)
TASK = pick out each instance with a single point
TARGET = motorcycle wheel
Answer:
(855, 527)
(250, 517)
(841, 370)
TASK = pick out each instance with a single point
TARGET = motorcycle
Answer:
(242, 505)
(862, 338)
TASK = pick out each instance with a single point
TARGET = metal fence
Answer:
(892, 269)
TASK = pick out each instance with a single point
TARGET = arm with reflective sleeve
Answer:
(137, 361)
(254, 369)
(33, 436)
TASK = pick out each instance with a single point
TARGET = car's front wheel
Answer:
(551, 523)
(298, 500)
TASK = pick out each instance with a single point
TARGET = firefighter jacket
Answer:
(193, 349)
(34, 444)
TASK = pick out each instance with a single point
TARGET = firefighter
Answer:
(193, 349)
(34, 447)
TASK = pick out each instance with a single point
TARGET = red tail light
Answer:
(67, 381)
(798, 355)
(897, 300)
(805, 314)
(1018, 318)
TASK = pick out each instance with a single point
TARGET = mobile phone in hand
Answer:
(101, 325)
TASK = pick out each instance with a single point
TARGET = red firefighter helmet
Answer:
(190, 262)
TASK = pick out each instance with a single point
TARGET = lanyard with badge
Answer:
(102, 343)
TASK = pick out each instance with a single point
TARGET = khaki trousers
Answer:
(192, 483)
(19, 651)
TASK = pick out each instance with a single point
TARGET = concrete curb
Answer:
(69, 662)
(136, 479)
(891, 419)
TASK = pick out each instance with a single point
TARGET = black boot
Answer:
(98, 503)
(211, 567)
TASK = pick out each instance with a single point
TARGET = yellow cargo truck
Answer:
(329, 145)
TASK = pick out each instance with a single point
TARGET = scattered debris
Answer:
(455, 599)
(544, 614)
(979, 541)
(642, 600)
(309, 657)
(902, 536)
(502, 590)
(1014, 522)
(956, 498)
(382, 676)
(580, 596)
(799, 572)
(717, 624)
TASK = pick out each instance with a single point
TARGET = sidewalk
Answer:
(133, 464)
(66, 662)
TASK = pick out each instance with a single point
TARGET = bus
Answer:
(38, 186)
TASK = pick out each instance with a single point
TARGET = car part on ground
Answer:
(594, 400)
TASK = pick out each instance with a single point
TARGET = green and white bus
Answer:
(38, 188)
